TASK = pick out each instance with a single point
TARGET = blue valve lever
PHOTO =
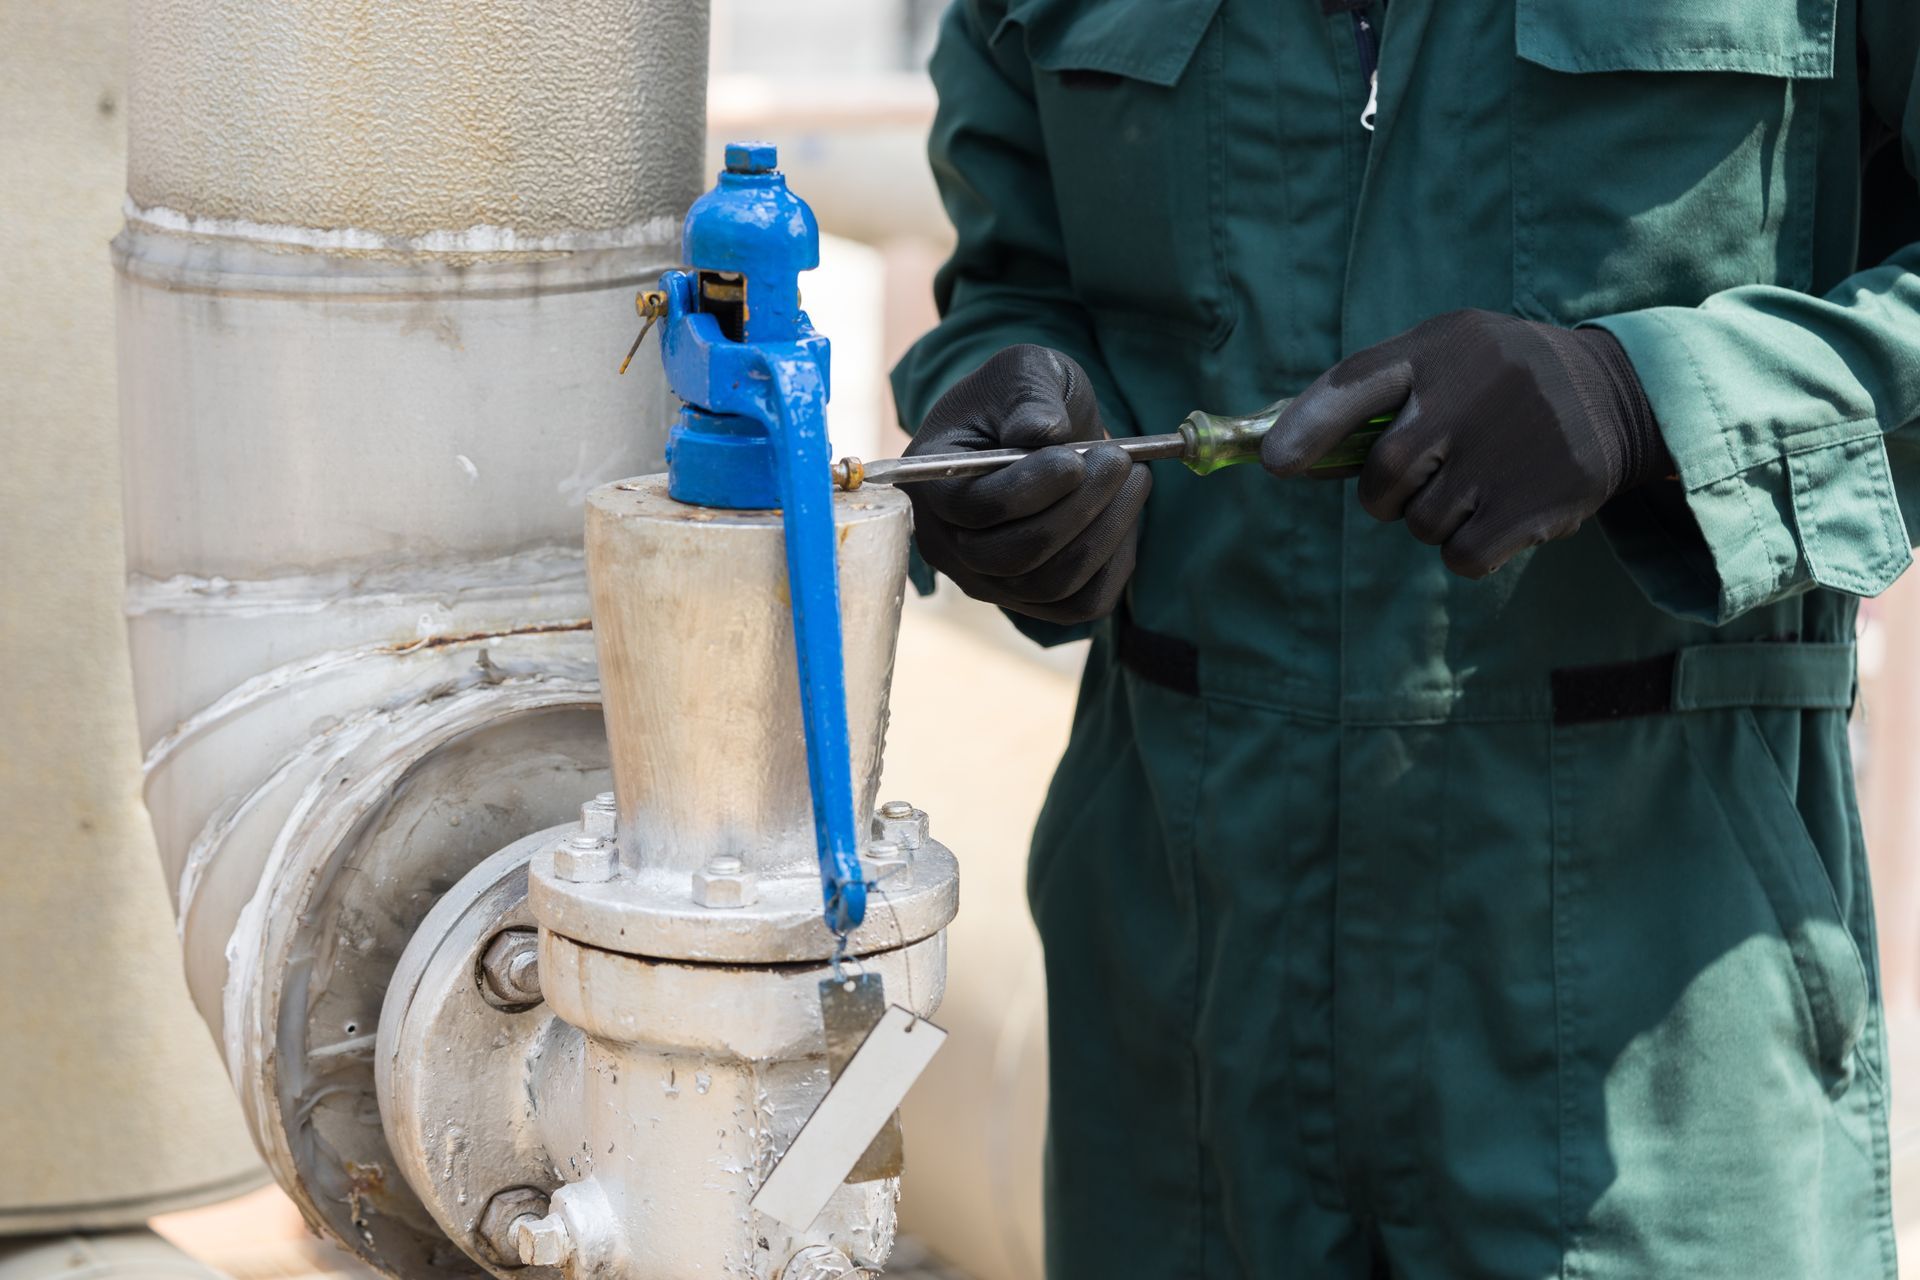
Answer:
(751, 434)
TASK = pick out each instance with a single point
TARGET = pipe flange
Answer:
(732, 1013)
(408, 813)
(659, 912)
(464, 1132)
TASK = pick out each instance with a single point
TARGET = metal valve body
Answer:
(607, 1100)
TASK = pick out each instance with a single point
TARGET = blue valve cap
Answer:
(752, 157)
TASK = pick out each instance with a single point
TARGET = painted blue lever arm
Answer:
(802, 461)
(781, 388)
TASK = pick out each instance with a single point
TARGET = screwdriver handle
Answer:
(1216, 440)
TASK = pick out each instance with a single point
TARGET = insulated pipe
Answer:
(375, 277)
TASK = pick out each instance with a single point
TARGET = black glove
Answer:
(1507, 432)
(1051, 536)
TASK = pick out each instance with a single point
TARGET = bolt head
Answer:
(725, 882)
(585, 859)
(510, 968)
(497, 1221)
(752, 157)
(896, 809)
(542, 1242)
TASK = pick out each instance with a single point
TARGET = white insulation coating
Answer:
(418, 117)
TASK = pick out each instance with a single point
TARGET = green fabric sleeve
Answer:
(1007, 281)
(1793, 420)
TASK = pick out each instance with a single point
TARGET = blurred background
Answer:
(840, 86)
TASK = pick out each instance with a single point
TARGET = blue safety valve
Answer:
(752, 376)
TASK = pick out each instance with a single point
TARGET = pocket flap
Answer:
(1788, 38)
(1150, 40)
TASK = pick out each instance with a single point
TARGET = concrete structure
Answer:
(115, 1107)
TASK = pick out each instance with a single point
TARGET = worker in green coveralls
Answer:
(1454, 871)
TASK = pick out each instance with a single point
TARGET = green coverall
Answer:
(1399, 924)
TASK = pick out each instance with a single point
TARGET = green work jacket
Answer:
(1380, 839)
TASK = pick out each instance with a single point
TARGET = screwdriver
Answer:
(1205, 442)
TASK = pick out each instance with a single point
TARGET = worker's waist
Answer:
(1703, 677)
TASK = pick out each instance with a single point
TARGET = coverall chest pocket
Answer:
(1129, 100)
(1663, 150)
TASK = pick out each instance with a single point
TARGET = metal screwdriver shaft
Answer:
(851, 473)
(1205, 442)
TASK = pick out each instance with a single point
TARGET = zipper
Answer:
(1367, 40)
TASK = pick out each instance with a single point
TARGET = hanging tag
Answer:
(850, 1008)
(858, 1105)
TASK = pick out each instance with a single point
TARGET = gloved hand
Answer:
(1508, 432)
(1051, 536)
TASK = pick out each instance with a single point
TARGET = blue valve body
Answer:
(753, 377)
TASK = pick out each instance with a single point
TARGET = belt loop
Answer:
(1807, 676)
(1708, 677)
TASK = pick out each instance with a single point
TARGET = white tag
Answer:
(828, 1145)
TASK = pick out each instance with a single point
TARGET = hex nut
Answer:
(724, 883)
(598, 816)
(585, 859)
(542, 1242)
(751, 157)
(820, 1262)
(900, 823)
(882, 857)
(494, 1231)
(510, 969)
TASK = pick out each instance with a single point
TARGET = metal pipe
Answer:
(375, 267)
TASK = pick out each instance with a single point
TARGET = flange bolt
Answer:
(503, 1213)
(598, 816)
(543, 1242)
(510, 969)
(584, 859)
(820, 1262)
(898, 822)
(725, 882)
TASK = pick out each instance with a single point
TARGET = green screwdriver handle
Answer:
(1216, 440)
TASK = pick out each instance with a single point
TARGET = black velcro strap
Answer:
(1168, 661)
(1613, 690)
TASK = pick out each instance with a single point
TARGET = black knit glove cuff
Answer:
(1644, 455)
